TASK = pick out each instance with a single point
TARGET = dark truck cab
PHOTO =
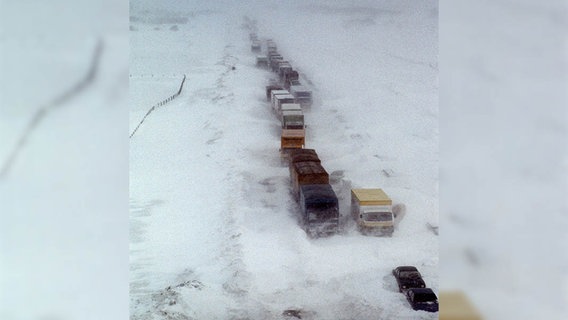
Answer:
(319, 209)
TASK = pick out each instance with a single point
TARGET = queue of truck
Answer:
(371, 209)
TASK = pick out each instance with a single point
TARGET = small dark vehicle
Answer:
(408, 277)
(422, 299)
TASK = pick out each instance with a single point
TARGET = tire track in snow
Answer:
(236, 284)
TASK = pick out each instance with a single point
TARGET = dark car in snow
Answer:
(422, 299)
(408, 277)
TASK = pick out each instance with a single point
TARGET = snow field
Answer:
(210, 197)
(59, 224)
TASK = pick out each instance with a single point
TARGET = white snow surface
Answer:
(213, 227)
(64, 200)
(504, 156)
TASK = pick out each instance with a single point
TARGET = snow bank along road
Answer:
(214, 233)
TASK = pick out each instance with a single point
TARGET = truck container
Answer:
(274, 93)
(372, 210)
(291, 139)
(271, 45)
(302, 95)
(307, 172)
(291, 82)
(319, 210)
(292, 119)
(301, 155)
(262, 61)
(280, 99)
(292, 75)
(273, 53)
(271, 88)
(290, 107)
(276, 60)
(255, 46)
(273, 60)
(283, 69)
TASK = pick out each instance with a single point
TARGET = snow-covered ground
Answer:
(214, 233)
(64, 201)
(504, 156)
(64, 198)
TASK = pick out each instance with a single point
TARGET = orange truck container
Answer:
(291, 139)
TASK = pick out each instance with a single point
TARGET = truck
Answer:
(301, 155)
(302, 95)
(262, 61)
(307, 172)
(274, 59)
(276, 92)
(292, 119)
(271, 45)
(291, 139)
(255, 46)
(279, 99)
(283, 69)
(290, 107)
(292, 75)
(372, 211)
(319, 210)
(271, 88)
(291, 82)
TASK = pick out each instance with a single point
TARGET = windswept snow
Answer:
(214, 233)
(63, 200)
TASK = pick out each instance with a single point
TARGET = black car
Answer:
(422, 299)
(408, 277)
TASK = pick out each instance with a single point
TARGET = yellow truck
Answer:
(372, 210)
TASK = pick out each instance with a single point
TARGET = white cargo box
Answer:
(292, 119)
(302, 94)
(274, 93)
(281, 99)
(299, 88)
(289, 107)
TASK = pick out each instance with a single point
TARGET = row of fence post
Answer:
(159, 104)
